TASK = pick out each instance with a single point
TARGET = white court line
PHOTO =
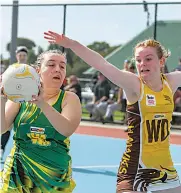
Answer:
(101, 166)
(106, 166)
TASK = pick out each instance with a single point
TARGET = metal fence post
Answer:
(64, 22)
(155, 23)
(14, 31)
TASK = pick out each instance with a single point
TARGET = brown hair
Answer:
(161, 51)
(40, 58)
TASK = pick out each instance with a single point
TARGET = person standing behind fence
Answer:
(74, 86)
(101, 94)
(178, 68)
(146, 164)
(22, 55)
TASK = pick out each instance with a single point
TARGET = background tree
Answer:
(79, 66)
(23, 42)
(4, 61)
(102, 48)
(31, 57)
(39, 50)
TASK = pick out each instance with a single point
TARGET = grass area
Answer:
(118, 115)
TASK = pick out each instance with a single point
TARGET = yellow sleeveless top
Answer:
(147, 162)
(156, 110)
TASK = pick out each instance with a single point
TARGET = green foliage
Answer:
(77, 69)
(79, 66)
(102, 48)
(22, 42)
(40, 50)
(6, 62)
(54, 47)
(31, 57)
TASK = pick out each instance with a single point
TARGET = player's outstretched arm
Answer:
(128, 81)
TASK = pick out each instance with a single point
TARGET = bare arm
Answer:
(126, 80)
(121, 78)
(174, 79)
(68, 120)
(9, 110)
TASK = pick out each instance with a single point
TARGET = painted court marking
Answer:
(106, 166)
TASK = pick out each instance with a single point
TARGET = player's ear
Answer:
(162, 62)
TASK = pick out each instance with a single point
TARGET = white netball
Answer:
(20, 82)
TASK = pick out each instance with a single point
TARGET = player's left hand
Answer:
(38, 100)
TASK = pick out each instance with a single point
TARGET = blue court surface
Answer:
(95, 162)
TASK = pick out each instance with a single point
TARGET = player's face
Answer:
(22, 57)
(147, 62)
(53, 70)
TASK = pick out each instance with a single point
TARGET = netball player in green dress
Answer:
(39, 161)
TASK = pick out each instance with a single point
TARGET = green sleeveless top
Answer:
(42, 151)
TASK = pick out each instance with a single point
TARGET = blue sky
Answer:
(113, 24)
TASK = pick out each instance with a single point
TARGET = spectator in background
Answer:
(176, 120)
(101, 94)
(177, 100)
(94, 80)
(126, 65)
(113, 106)
(121, 103)
(74, 86)
(131, 67)
(178, 68)
(164, 69)
(22, 54)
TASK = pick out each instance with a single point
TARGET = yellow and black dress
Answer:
(146, 164)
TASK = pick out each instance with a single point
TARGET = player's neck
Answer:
(50, 92)
(154, 84)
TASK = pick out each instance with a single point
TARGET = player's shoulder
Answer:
(174, 79)
(69, 96)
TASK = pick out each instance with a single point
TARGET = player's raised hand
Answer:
(60, 39)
